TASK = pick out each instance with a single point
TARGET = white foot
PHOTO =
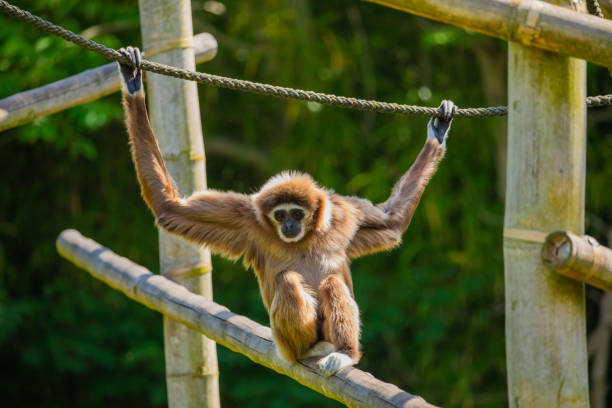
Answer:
(334, 362)
(320, 349)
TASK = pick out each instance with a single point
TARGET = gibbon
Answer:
(298, 237)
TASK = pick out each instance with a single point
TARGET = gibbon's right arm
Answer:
(216, 219)
(382, 226)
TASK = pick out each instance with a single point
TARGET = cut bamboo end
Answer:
(579, 257)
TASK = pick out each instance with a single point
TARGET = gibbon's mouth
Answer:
(291, 235)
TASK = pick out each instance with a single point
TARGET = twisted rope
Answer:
(259, 88)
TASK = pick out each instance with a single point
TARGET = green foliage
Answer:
(432, 309)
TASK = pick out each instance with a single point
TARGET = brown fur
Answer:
(338, 229)
(341, 323)
(293, 302)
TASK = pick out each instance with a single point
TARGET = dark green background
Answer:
(433, 310)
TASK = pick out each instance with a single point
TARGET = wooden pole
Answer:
(546, 349)
(87, 86)
(191, 359)
(580, 258)
(350, 386)
(529, 22)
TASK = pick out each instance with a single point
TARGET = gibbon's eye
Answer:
(297, 214)
(279, 215)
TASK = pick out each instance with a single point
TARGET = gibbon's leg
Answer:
(293, 316)
(341, 325)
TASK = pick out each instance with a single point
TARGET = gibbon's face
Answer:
(290, 221)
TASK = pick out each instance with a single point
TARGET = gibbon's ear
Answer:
(323, 213)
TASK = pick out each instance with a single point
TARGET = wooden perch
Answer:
(580, 258)
(87, 86)
(530, 22)
(350, 386)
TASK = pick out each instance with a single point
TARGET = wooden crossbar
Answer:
(530, 22)
(351, 386)
(87, 86)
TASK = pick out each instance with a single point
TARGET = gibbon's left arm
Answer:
(382, 226)
(216, 219)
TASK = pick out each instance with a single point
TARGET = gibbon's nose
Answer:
(290, 228)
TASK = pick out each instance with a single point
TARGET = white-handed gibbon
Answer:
(297, 236)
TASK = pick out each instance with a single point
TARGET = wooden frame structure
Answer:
(546, 337)
(545, 326)
(192, 375)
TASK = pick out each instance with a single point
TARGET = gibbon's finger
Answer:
(138, 58)
(130, 51)
(123, 52)
(450, 110)
(126, 69)
(126, 53)
(447, 110)
(444, 106)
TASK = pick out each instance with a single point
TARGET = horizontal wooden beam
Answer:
(87, 86)
(530, 22)
(579, 257)
(350, 386)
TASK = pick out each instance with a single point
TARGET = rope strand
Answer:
(259, 88)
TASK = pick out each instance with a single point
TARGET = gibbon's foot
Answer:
(320, 349)
(131, 75)
(334, 362)
(438, 127)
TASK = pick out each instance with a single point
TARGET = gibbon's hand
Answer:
(131, 75)
(438, 127)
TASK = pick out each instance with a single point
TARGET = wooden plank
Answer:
(85, 87)
(579, 257)
(545, 312)
(350, 386)
(192, 374)
(529, 22)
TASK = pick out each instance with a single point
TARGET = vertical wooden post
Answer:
(545, 312)
(191, 359)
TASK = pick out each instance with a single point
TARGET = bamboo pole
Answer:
(350, 386)
(580, 258)
(546, 349)
(87, 86)
(529, 22)
(191, 359)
